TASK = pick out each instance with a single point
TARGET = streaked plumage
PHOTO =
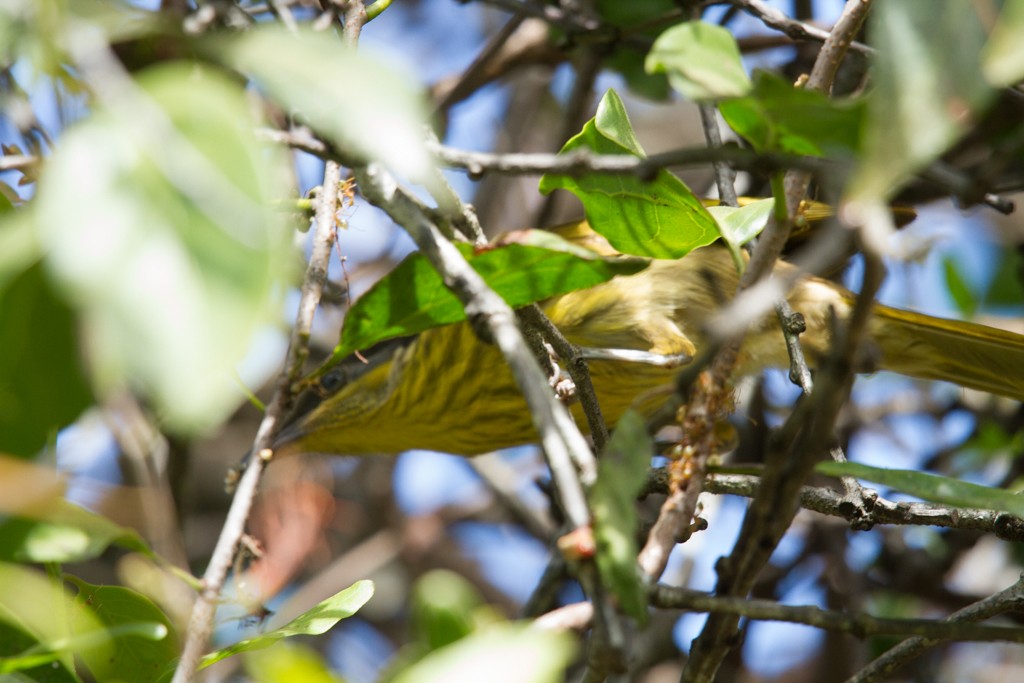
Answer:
(448, 391)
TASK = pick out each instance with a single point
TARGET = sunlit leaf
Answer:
(739, 225)
(156, 223)
(702, 61)
(19, 243)
(363, 106)
(621, 474)
(58, 627)
(499, 654)
(927, 89)
(661, 218)
(66, 533)
(288, 662)
(930, 487)
(1003, 55)
(413, 298)
(317, 620)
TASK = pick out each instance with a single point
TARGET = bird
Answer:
(447, 390)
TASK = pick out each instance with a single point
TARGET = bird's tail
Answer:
(971, 355)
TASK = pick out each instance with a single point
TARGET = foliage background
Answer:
(443, 539)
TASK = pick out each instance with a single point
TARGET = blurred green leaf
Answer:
(19, 243)
(14, 643)
(628, 59)
(661, 218)
(622, 471)
(59, 628)
(779, 117)
(143, 638)
(702, 61)
(156, 222)
(630, 14)
(930, 487)
(413, 298)
(288, 662)
(364, 107)
(444, 609)
(63, 532)
(630, 65)
(499, 654)
(990, 442)
(1002, 58)
(927, 89)
(958, 289)
(42, 386)
(317, 620)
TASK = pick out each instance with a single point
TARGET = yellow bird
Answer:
(448, 391)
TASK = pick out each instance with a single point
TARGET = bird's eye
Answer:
(332, 381)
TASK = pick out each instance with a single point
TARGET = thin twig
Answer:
(1011, 598)
(18, 162)
(576, 364)
(563, 444)
(797, 30)
(725, 176)
(569, 458)
(201, 620)
(675, 518)
(880, 511)
(576, 109)
(582, 161)
(858, 625)
(555, 16)
(467, 80)
(810, 426)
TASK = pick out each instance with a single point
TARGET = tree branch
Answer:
(1009, 599)
(858, 625)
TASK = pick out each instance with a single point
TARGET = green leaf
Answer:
(19, 243)
(413, 298)
(363, 107)
(702, 61)
(928, 89)
(288, 662)
(622, 471)
(47, 667)
(42, 385)
(317, 620)
(778, 117)
(167, 244)
(143, 638)
(930, 487)
(958, 288)
(444, 609)
(63, 532)
(629, 14)
(629, 63)
(739, 225)
(500, 654)
(1002, 58)
(59, 627)
(661, 218)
